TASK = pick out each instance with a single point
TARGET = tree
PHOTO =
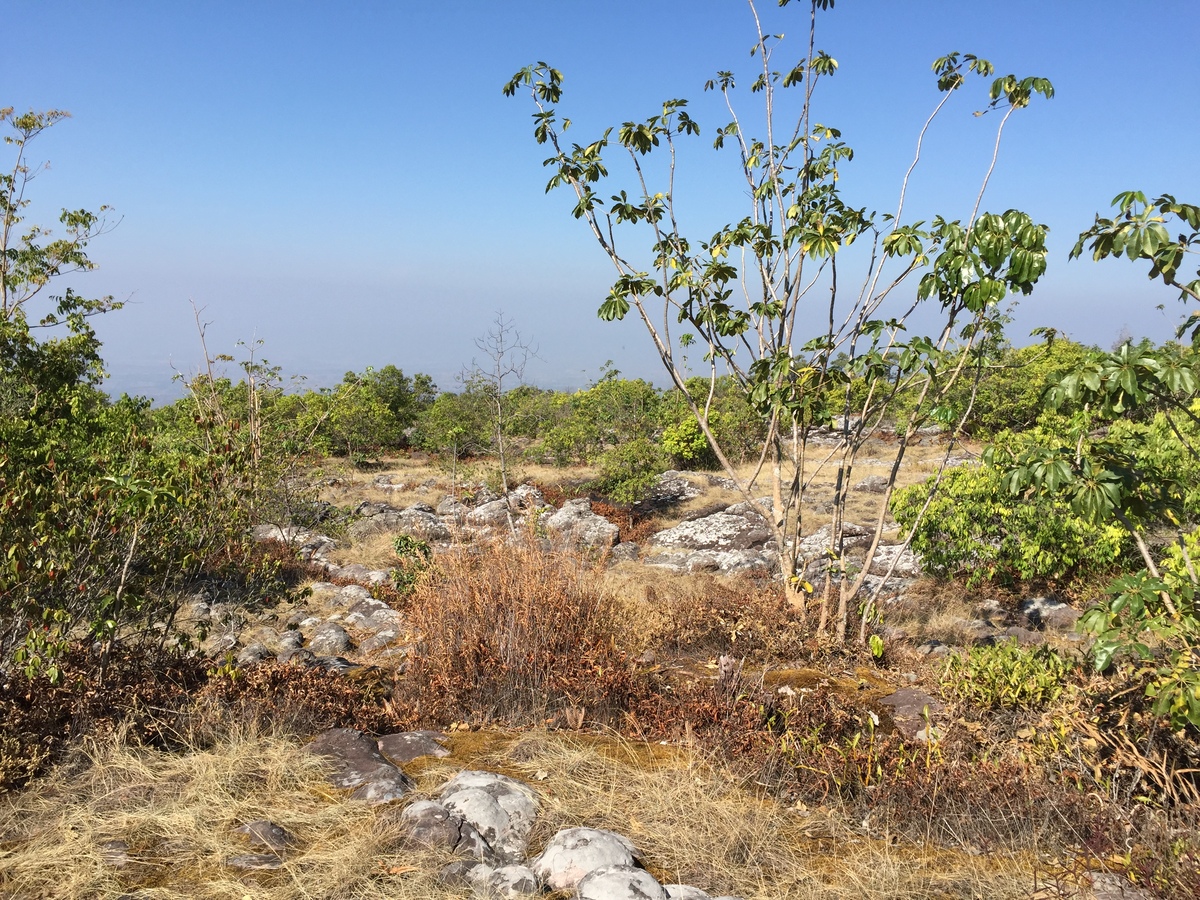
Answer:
(506, 354)
(747, 293)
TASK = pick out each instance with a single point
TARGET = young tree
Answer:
(750, 294)
(506, 354)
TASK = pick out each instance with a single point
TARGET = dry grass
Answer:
(696, 824)
(375, 551)
(178, 814)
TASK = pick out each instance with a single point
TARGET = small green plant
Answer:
(414, 555)
(1007, 676)
(878, 648)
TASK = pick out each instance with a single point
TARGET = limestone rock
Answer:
(265, 833)
(576, 524)
(405, 746)
(359, 766)
(501, 809)
(494, 513)
(620, 883)
(911, 710)
(573, 853)
(1049, 614)
(739, 527)
(329, 638)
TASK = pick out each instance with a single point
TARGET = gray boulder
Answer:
(575, 852)
(494, 513)
(873, 484)
(508, 883)
(329, 639)
(672, 487)
(430, 826)
(418, 520)
(405, 746)
(912, 711)
(265, 833)
(1049, 614)
(501, 809)
(739, 527)
(620, 883)
(576, 524)
(358, 766)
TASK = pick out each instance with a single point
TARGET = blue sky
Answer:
(345, 181)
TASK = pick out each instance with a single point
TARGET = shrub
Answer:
(1007, 676)
(976, 528)
(508, 633)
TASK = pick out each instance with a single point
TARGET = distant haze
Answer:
(346, 183)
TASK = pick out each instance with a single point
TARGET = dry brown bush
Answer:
(144, 693)
(294, 700)
(707, 615)
(512, 633)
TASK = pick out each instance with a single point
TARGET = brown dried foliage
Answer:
(144, 693)
(510, 633)
(289, 699)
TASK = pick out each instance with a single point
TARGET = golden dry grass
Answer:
(693, 822)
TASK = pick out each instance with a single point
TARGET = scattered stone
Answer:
(575, 852)
(329, 638)
(911, 710)
(873, 484)
(359, 766)
(626, 551)
(265, 833)
(418, 520)
(405, 746)
(291, 640)
(739, 527)
(575, 523)
(509, 882)
(494, 513)
(1024, 636)
(933, 648)
(1046, 613)
(252, 655)
(429, 825)
(908, 564)
(671, 487)
(1109, 886)
(462, 873)
(620, 883)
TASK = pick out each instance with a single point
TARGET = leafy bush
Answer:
(1007, 676)
(629, 470)
(975, 527)
(1155, 620)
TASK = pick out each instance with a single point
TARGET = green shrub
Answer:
(1007, 676)
(976, 528)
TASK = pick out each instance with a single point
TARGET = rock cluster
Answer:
(483, 819)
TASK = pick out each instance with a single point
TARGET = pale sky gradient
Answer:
(346, 182)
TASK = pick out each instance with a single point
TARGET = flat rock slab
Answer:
(620, 883)
(405, 746)
(265, 833)
(740, 527)
(573, 853)
(908, 706)
(360, 767)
